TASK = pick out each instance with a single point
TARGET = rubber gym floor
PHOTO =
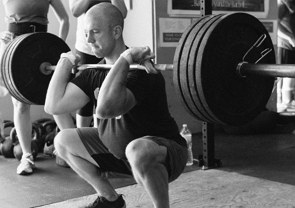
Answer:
(257, 171)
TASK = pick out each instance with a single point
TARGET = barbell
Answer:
(223, 68)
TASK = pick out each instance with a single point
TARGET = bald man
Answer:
(136, 134)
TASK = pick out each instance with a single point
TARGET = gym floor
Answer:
(265, 156)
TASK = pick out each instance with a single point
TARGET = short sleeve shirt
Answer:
(150, 116)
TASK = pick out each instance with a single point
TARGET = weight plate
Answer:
(13, 90)
(230, 98)
(183, 69)
(5, 65)
(190, 68)
(178, 70)
(23, 66)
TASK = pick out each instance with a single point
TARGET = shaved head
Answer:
(103, 25)
(106, 12)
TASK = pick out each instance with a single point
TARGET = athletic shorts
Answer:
(87, 110)
(175, 161)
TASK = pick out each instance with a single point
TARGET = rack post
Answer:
(208, 159)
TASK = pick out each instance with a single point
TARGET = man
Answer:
(286, 48)
(135, 134)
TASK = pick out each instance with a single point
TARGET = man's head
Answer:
(103, 28)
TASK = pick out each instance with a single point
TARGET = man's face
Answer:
(100, 36)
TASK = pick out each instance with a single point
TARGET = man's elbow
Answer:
(104, 112)
(101, 113)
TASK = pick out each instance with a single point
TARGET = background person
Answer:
(27, 16)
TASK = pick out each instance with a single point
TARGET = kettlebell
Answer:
(18, 153)
(7, 148)
(37, 135)
(49, 126)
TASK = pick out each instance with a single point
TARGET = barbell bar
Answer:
(46, 68)
(273, 70)
(223, 67)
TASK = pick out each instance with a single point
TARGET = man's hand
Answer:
(141, 55)
(72, 58)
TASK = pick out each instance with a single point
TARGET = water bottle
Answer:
(186, 133)
(2, 135)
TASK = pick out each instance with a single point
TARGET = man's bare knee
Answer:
(60, 142)
(141, 154)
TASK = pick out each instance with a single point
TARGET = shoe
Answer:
(102, 202)
(26, 165)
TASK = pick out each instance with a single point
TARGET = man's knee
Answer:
(60, 141)
(143, 154)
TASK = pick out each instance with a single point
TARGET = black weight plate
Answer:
(9, 55)
(189, 73)
(183, 69)
(178, 69)
(25, 74)
(5, 65)
(232, 99)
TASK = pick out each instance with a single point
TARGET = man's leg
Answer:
(147, 160)
(70, 148)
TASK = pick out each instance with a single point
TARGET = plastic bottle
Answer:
(2, 135)
(186, 133)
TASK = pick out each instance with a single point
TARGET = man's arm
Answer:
(63, 96)
(114, 97)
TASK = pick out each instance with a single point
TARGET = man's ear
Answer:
(117, 31)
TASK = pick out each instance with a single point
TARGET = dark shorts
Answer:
(175, 161)
(87, 110)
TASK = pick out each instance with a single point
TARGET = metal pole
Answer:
(207, 128)
(206, 7)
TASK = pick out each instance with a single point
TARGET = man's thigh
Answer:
(106, 161)
(176, 157)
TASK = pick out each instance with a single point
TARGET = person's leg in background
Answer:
(288, 84)
(23, 126)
